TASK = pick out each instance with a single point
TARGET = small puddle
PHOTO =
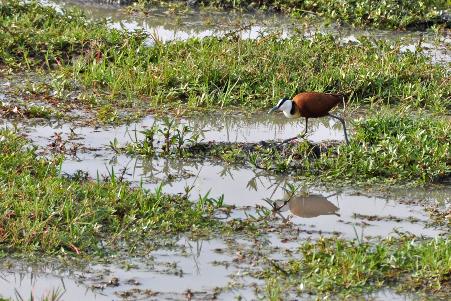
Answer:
(191, 266)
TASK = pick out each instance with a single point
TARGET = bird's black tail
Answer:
(343, 97)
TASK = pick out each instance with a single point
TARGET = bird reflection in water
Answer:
(307, 206)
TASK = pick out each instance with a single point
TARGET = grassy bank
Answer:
(337, 267)
(381, 14)
(387, 148)
(97, 65)
(40, 211)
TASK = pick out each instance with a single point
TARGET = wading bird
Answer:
(309, 105)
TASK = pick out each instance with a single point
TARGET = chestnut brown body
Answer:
(310, 105)
(315, 104)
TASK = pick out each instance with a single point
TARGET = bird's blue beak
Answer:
(273, 109)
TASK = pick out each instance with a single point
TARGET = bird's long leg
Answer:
(296, 137)
(344, 126)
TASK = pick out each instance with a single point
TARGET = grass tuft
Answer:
(41, 211)
(331, 266)
(395, 148)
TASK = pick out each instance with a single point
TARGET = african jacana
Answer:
(309, 105)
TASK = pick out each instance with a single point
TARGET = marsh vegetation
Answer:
(329, 267)
(93, 64)
(54, 62)
(387, 148)
(382, 14)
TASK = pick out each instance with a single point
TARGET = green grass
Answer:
(389, 148)
(380, 14)
(40, 211)
(393, 147)
(340, 267)
(43, 212)
(95, 62)
(92, 62)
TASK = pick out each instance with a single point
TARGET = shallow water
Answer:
(353, 215)
(203, 270)
(40, 286)
(246, 186)
(346, 213)
(164, 274)
(222, 127)
(165, 24)
(214, 268)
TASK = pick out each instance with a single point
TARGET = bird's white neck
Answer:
(288, 108)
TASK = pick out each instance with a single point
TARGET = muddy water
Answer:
(223, 127)
(245, 186)
(164, 274)
(204, 270)
(167, 24)
(354, 215)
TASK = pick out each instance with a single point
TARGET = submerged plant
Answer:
(176, 139)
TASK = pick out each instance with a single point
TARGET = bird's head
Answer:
(283, 105)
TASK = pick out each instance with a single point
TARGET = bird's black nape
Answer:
(282, 101)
